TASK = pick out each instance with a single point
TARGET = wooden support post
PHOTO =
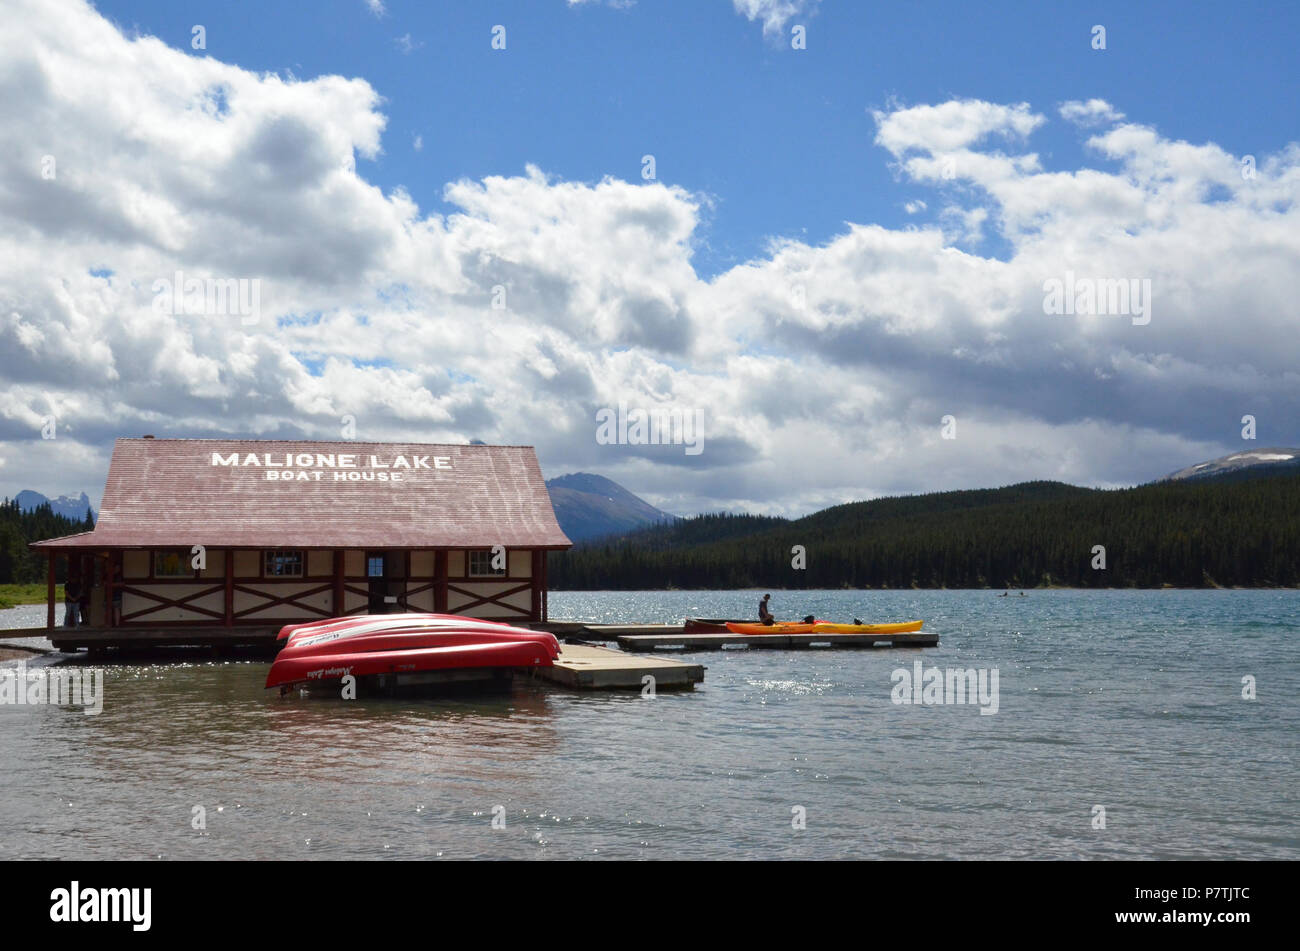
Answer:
(340, 606)
(406, 578)
(536, 612)
(230, 587)
(108, 591)
(546, 586)
(440, 582)
(49, 593)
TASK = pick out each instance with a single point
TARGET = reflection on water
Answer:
(1126, 699)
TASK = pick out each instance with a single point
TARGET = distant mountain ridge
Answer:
(1249, 463)
(589, 506)
(1233, 531)
(76, 508)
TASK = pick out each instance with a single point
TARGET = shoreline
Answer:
(16, 595)
(1054, 587)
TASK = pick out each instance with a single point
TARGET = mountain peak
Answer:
(74, 507)
(591, 506)
(1268, 461)
(587, 482)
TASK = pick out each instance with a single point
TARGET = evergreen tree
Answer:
(18, 563)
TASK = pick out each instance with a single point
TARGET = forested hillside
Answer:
(1187, 534)
(19, 565)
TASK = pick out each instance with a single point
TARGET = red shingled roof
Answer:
(216, 492)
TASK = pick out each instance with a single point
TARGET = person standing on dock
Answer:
(764, 614)
(83, 597)
(71, 600)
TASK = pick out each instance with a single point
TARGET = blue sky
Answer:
(842, 246)
(781, 139)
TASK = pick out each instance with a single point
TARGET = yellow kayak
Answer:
(824, 627)
(902, 627)
(781, 627)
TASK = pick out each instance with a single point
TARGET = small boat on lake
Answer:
(404, 649)
(709, 625)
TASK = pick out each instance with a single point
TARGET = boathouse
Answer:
(231, 533)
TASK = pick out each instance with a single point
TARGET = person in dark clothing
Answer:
(764, 614)
(71, 601)
(84, 601)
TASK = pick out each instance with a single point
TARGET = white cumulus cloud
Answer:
(775, 14)
(534, 301)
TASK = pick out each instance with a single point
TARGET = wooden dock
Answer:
(708, 642)
(580, 666)
(598, 668)
(629, 637)
(18, 633)
(601, 632)
(140, 638)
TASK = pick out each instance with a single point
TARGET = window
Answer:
(281, 563)
(172, 563)
(375, 566)
(480, 564)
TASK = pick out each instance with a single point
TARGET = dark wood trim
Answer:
(108, 592)
(197, 575)
(490, 599)
(420, 588)
(230, 587)
(164, 603)
(287, 599)
(440, 582)
(241, 579)
(337, 583)
(49, 593)
(339, 597)
(536, 611)
(364, 607)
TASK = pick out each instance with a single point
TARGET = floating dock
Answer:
(709, 642)
(147, 638)
(584, 667)
(601, 632)
(629, 637)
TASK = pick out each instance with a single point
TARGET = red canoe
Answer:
(404, 644)
(708, 625)
(395, 620)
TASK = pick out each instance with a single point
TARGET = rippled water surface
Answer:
(1127, 700)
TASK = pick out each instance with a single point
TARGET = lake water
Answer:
(1126, 700)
